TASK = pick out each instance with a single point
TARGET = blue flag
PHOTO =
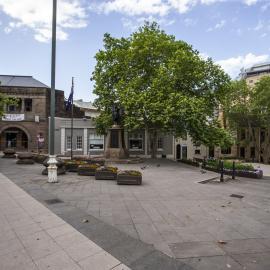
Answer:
(70, 98)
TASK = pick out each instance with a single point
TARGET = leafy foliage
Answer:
(5, 100)
(163, 85)
(248, 108)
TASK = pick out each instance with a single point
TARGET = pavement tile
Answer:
(256, 261)
(121, 267)
(156, 261)
(18, 259)
(67, 240)
(82, 250)
(213, 263)
(57, 261)
(10, 246)
(99, 261)
(244, 246)
(60, 230)
(196, 249)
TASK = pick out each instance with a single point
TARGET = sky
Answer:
(234, 33)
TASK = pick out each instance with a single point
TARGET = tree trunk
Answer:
(266, 147)
(154, 144)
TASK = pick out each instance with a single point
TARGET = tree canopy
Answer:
(248, 108)
(163, 85)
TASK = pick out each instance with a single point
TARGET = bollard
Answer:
(233, 170)
(221, 167)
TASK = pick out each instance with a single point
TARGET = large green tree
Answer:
(248, 109)
(163, 85)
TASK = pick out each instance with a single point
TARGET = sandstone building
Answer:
(25, 126)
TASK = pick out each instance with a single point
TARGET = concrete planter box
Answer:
(104, 173)
(9, 153)
(129, 178)
(72, 165)
(257, 174)
(88, 170)
(25, 158)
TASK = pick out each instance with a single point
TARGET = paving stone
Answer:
(214, 262)
(56, 261)
(99, 261)
(130, 250)
(196, 249)
(18, 259)
(255, 261)
(244, 246)
(157, 261)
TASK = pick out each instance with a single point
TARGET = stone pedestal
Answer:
(52, 169)
(115, 144)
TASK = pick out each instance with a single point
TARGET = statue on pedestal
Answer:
(115, 141)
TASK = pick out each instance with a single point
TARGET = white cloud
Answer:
(148, 7)
(134, 23)
(37, 14)
(265, 7)
(250, 2)
(190, 22)
(233, 65)
(219, 25)
(259, 26)
(134, 7)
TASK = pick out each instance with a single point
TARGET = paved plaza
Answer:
(171, 221)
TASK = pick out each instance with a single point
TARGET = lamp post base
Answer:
(52, 169)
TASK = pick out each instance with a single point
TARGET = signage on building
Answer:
(13, 117)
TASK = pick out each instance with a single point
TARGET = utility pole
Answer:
(52, 169)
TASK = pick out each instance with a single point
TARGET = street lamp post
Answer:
(52, 168)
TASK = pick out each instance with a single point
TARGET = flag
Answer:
(70, 98)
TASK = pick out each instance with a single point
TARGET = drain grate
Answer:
(53, 201)
(237, 196)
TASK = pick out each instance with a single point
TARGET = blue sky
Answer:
(235, 33)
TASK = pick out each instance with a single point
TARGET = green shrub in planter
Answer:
(72, 165)
(88, 169)
(106, 173)
(129, 177)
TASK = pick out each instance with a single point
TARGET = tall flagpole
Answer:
(71, 131)
(52, 168)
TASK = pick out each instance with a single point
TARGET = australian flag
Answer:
(69, 102)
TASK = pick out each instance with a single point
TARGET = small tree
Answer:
(163, 85)
(5, 100)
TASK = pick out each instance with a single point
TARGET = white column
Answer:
(145, 142)
(85, 141)
(63, 140)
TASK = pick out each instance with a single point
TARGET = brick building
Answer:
(24, 127)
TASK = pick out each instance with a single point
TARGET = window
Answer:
(242, 134)
(11, 108)
(160, 143)
(250, 81)
(197, 151)
(79, 143)
(28, 104)
(135, 141)
(68, 141)
(226, 151)
(252, 152)
(96, 142)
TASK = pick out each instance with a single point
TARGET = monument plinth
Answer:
(115, 143)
